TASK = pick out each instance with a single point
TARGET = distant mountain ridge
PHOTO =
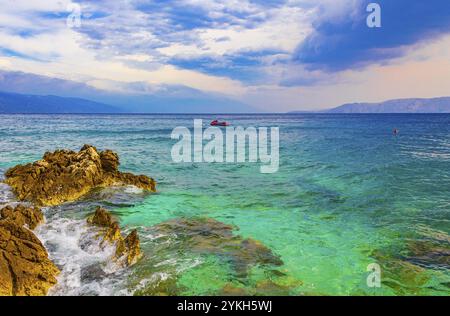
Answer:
(434, 105)
(11, 103)
(416, 105)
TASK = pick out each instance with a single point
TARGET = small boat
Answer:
(217, 123)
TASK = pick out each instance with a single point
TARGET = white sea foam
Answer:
(86, 267)
(131, 189)
(6, 194)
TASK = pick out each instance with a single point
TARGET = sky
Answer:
(225, 55)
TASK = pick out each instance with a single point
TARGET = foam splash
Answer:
(131, 189)
(6, 194)
(86, 267)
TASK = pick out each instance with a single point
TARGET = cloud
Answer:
(246, 66)
(273, 54)
(342, 40)
(214, 36)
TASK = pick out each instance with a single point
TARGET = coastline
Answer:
(99, 234)
(58, 178)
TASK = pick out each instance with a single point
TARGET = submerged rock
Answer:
(401, 276)
(431, 250)
(66, 175)
(128, 249)
(213, 237)
(160, 285)
(25, 268)
(429, 254)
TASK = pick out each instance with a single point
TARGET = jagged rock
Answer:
(110, 160)
(131, 248)
(66, 175)
(23, 215)
(128, 249)
(25, 268)
(206, 235)
(101, 218)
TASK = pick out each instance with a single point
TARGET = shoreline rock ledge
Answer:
(25, 269)
(65, 176)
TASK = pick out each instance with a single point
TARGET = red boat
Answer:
(217, 123)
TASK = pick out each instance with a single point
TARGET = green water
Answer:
(348, 193)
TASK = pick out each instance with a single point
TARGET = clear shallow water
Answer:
(347, 194)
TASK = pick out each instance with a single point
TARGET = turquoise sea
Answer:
(347, 194)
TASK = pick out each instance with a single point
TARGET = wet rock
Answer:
(110, 160)
(131, 248)
(25, 268)
(206, 235)
(431, 250)
(401, 276)
(91, 273)
(101, 218)
(429, 254)
(23, 215)
(66, 175)
(128, 249)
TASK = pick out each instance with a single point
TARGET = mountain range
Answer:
(45, 104)
(434, 105)
(38, 104)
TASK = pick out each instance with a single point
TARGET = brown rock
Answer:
(128, 249)
(23, 215)
(24, 265)
(133, 247)
(65, 175)
(110, 160)
(101, 218)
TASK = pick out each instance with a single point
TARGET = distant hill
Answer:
(435, 105)
(22, 103)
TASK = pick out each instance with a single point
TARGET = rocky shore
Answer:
(66, 175)
(25, 268)
(61, 176)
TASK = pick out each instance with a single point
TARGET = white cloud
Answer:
(128, 46)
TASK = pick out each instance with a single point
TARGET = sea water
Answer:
(348, 193)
